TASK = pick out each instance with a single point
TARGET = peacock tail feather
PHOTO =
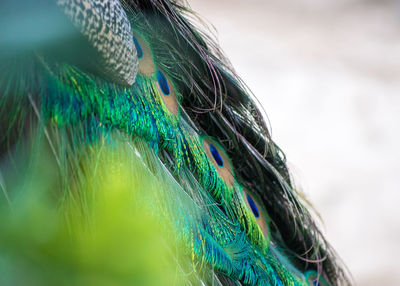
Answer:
(132, 154)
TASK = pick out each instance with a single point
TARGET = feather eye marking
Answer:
(259, 214)
(138, 48)
(167, 92)
(216, 156)
(253, 206)
(145, 56)
(220, 160)
(163, 83)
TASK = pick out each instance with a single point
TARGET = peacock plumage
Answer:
(131, 154)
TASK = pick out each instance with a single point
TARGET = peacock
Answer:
(132, 154)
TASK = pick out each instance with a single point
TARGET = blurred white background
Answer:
(328, 75)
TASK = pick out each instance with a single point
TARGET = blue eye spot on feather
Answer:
(315, 279)
(166, 92)
(216, 156)
(162, 81)
(219, 160)
(138, 48)
(259, 214)
(253, 206)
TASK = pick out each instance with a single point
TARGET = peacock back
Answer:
(132, 154)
